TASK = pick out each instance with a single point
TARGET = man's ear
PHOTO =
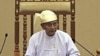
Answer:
(42, 25)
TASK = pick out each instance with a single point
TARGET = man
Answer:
(50, 41)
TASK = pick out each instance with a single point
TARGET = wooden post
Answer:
(16, 50)
(24, 34)
(73, 20)
(32, 25)
(64, 23)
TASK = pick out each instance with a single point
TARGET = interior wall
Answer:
(87, 26)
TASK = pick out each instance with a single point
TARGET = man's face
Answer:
(50, 27)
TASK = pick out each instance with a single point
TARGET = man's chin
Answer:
(51, 34)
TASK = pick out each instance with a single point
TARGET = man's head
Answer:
(49, 22)
(50, 27)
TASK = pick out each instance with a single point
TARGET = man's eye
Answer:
(54, 24)
(49, 24)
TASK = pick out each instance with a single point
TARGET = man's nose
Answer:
(52, 26)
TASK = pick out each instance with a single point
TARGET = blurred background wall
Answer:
(87, 26)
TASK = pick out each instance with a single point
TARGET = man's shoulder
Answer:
(59, 32)
(63, 35)
(38, 33)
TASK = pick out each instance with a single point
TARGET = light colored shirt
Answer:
(61, 44)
